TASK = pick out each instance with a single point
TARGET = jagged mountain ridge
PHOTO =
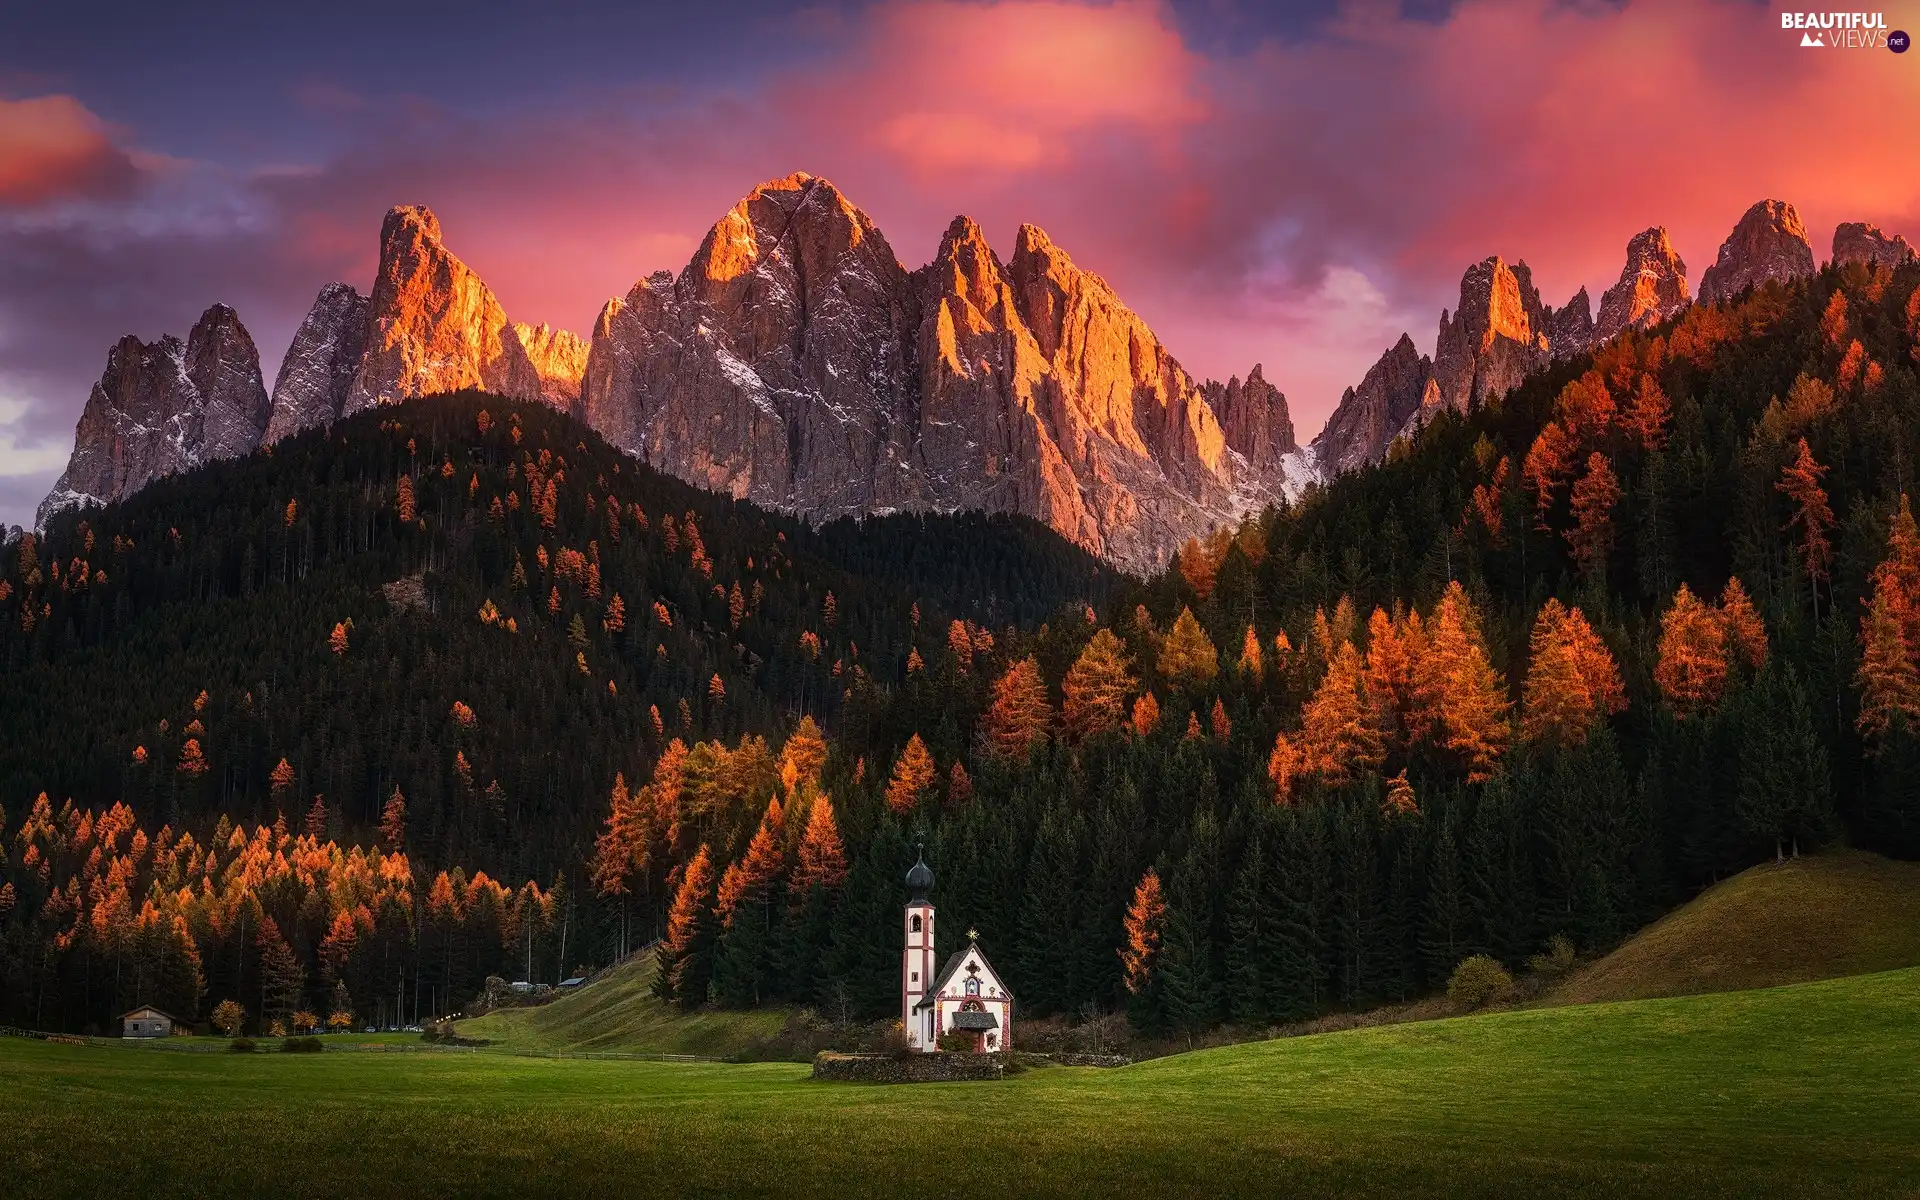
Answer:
(162, 407)
(795, 362)
(1500, 332)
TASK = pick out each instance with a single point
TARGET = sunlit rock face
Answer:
(434, 326)
(1652, 287)
(1859, 242)
(544, 363)
(1768, 245)
(318, 370)
(796, 363)
(164, 407)
(1495, 337)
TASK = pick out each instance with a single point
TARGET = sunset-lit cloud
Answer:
(1296, 198)
(1014, 86)
(52, 148)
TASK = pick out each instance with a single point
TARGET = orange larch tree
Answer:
(1017, 720)
(1645, 420)
(1572, 680)
(1400, 800)
(685, 958)
(803, 757)
(1692, 666)
(822, 857)
(1188, 656)
(280, 783)
(1889, 685)
(1548, 463)
(1146, 715)
(959, 784)
(913, 774)
(1338, 738)
(1146, 914)
(393, 822)
(193, 763)
(1394, 648)
(1283, 767)
(1586, 408)
(622, 850)
(1746, 634)
(1097, 687)
(1252, 660)
(1594, 497)
(1460, 687)
(750, 880)
(1800, 480)
(1890, 634)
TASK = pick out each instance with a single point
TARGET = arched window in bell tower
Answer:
(916, 922)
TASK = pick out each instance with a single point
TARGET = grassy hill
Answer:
(619, 1012)
(1801, 1090)
(1815, 917)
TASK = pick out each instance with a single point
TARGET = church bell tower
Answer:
(918, 964)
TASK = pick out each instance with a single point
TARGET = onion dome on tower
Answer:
(920, 877)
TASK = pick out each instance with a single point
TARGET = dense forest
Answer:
(1648, 619)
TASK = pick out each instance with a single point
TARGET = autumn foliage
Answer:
(1572, 680)
(1699, 644)
(1097, 687)
(913, 774)
(1889, 675)
(1020, 714)
(1146, 913)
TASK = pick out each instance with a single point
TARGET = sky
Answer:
(1290, 185)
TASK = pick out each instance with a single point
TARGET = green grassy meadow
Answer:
(1801, 1090)
(1842, 912)
(620, 1013)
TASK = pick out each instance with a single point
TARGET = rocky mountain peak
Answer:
(164, 407)
(223, 365)
(545, 363)
(409, 221)
(965, 253)
(1768, 243)
(797, 363)
(1254, 420)
(1570, 327)
(1495, 337)
(1652, 287)
(434, 326)
(1372, 414)
(317, 372)
(1859, 242)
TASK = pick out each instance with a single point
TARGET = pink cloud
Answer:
(52, 148)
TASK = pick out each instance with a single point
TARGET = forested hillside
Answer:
(469, 602)
(1646, 620)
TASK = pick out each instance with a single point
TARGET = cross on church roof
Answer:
(973, 935)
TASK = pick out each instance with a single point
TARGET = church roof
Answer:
(952, 968)
(973, 1022)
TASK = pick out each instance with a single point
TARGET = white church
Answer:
(966, 995)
